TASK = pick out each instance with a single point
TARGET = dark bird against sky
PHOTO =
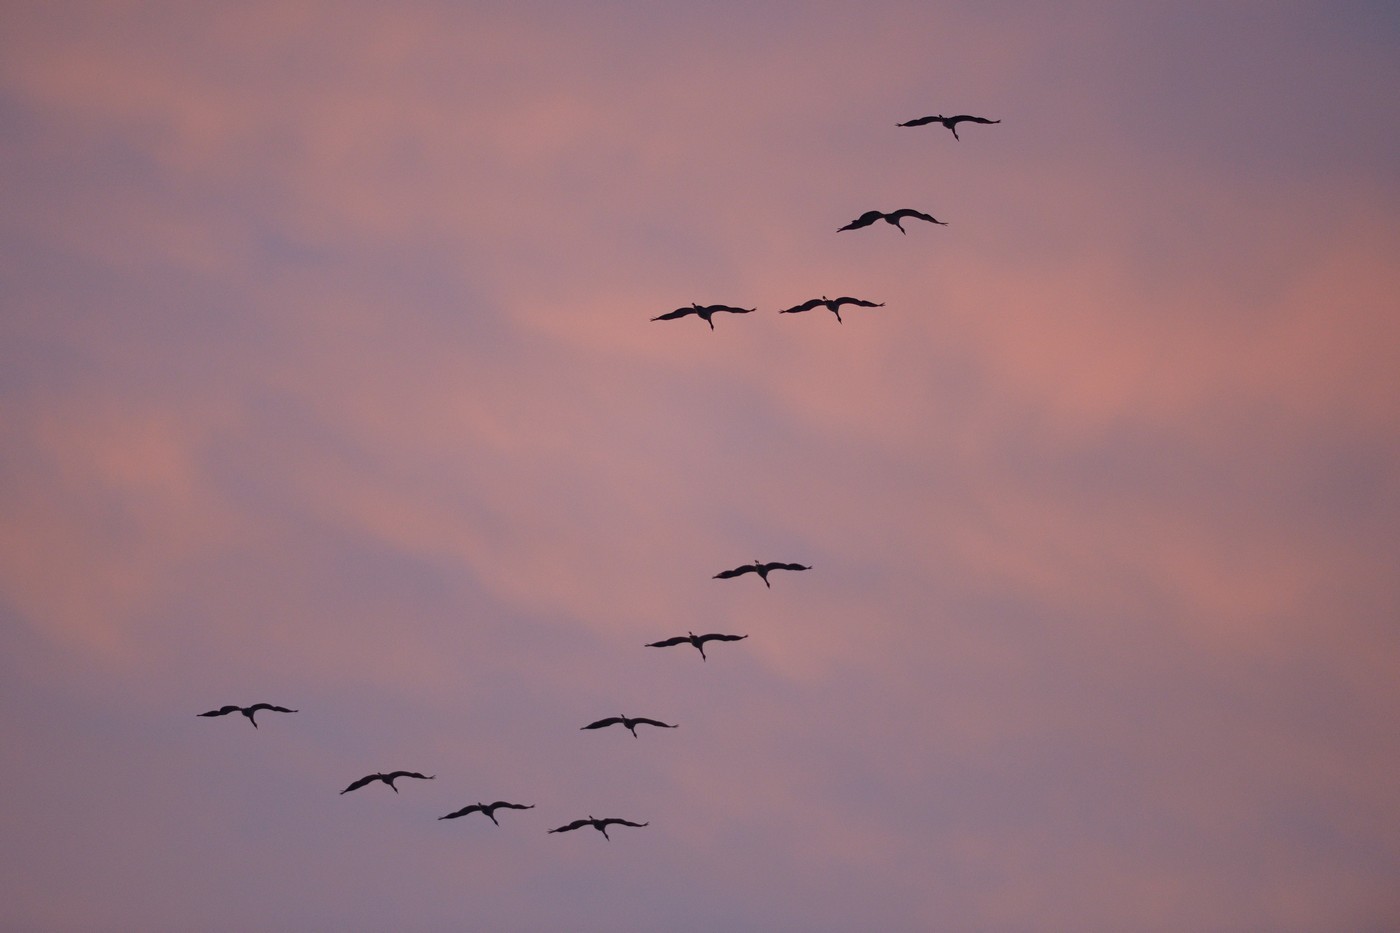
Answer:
(630, 724)
(950, 122)
(759, 568)
(697, 640)
(488, 808)
(600, 825)
(832, 304)
(389, 779)
(247, 711)
(894, 217)
(706, 312)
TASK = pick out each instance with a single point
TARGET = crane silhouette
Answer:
(600, 825)
(832, 304)
(894, 217)
(389, 779)
(697, 640)
(630, 724)
(761, 569)
(248, 711)
(488, 808)
(950, 122)
(706, 312)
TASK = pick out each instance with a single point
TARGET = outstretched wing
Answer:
(858, 302)
(737, 571)
(222, 711)
(361, 782)
(679, 639)
(731, 310)
(570, 826)
(276, 709)
(715, 636)
(864, 220)
(395, 775)
(653, 722)
(610, 721)
(672, 315)
(967, 118)
(511, 806)
(910, 212)
(462, 812)
(920, 121)
(612, 819)
(805, 306)
(778, 565)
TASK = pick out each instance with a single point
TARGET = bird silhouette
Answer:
(247, 711)
(894, 217)
(600, 825)
(950, 122)
(761, 569)
(488, 808)
(697, 640)
(630, 724)
(706, 312)
(832, 304)
(389, 779)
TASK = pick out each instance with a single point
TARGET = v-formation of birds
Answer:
(762, 569)
(629, 723)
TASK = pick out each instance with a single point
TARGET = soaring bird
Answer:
(761, 569)
(600, 825)
(706, 312)
(832, 304)
(950, 122)
(488, 808)
(697, 640)
(869, 217)
(247, 711)
(630, 724)
(389, 779)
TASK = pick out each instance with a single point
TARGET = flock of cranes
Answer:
(763, 569)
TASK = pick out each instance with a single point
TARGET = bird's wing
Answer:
(737, 571)
(611, 720)
(968, 118)
(910, 212)
(857, 301)
(864, 220)
(223, 711)
(805, 306)
(779, 565)
(462, 812)
(672, 315)
(413, 774)
(716, 636)
(612, 819)
(568, 826)
(276, 709)
(918, 122)
(730, 309)
(511, 806)
(666, 644)
(653, 722)
(361, 782)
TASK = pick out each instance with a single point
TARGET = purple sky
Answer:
(327, 379)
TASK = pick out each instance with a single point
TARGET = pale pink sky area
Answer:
(328, 379)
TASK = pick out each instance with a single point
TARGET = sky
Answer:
(328, 379)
